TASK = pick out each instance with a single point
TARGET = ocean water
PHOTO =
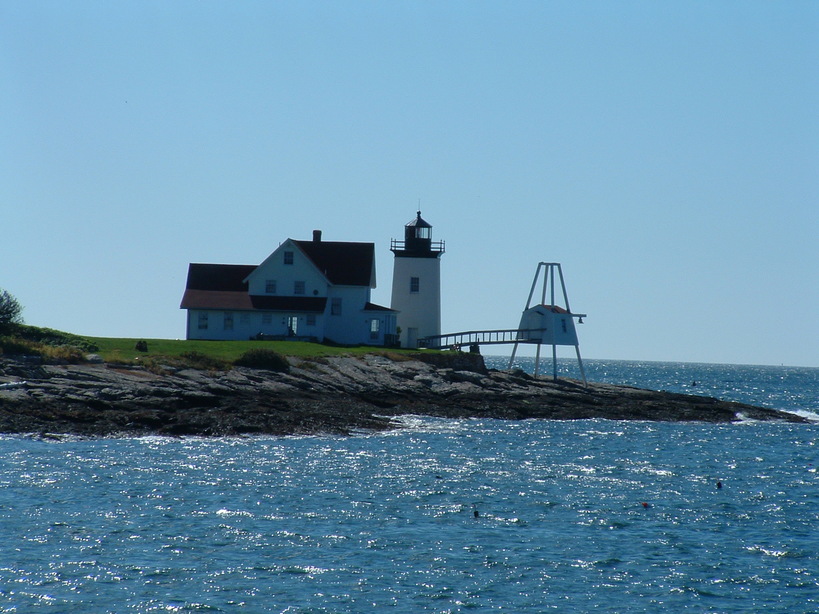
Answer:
(440, 516)
(794, 389)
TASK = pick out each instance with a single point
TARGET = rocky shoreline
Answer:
(337, 395)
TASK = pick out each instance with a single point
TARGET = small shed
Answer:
(547, 324)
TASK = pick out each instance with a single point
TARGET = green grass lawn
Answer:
(116, 349)
(59, 345)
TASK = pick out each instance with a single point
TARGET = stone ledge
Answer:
(334, 395)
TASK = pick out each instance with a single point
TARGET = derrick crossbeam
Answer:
(483, 337)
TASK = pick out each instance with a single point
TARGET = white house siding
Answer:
(279, 324)
(386, 326)
(243, 292)
(351, 327)
(245, 328)
(287, 275)
(420, 312)
(216, 325)
(560, 329)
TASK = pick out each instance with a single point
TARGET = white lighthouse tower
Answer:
(416, 282)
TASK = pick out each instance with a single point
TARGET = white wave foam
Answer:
(804, 413)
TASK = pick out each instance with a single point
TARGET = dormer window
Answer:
(288, 257)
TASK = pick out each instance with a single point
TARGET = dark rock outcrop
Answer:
(323, 395)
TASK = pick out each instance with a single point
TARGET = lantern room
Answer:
(417, 241)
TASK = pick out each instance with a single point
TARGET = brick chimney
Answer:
(316, 236)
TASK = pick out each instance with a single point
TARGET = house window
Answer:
(270, 286)
(244, 319)
(228, 320)
(288, 257)
(335, 307)
(311, 319)
(375, 327)
(203, 320)
(267, 318)
(415, 284)
(298, 287)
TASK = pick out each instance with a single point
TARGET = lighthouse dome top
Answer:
(417, 241)
(419, 222)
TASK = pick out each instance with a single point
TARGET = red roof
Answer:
(552, 308)
(214, 299)
(222, 286)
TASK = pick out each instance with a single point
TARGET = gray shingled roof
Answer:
(221, 277)
(343, 263)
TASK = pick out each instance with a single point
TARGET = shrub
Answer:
(49, 353)
(63, 353)
(18, 347)
(197, 360)
(153, 364)
(49, 336)
(260, 358)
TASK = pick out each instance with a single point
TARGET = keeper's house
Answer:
(306, 290)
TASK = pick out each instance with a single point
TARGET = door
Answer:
(292, 326)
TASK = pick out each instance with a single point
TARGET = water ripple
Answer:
(441, 516)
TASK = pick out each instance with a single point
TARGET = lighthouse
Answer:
(416, 282)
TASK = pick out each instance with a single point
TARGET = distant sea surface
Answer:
(440, 516)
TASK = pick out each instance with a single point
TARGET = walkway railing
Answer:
(482, 337)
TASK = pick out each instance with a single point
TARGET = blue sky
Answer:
(667, 154)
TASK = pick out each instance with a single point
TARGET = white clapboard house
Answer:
(307, 290)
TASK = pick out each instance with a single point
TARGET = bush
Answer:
(49, 353)
(197, 360)
(22, 347)
(63, 353)
(260, 358)
(49, 336)
(165, 365)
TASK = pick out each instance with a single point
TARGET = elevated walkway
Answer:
(541, 324)
(482, 337)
